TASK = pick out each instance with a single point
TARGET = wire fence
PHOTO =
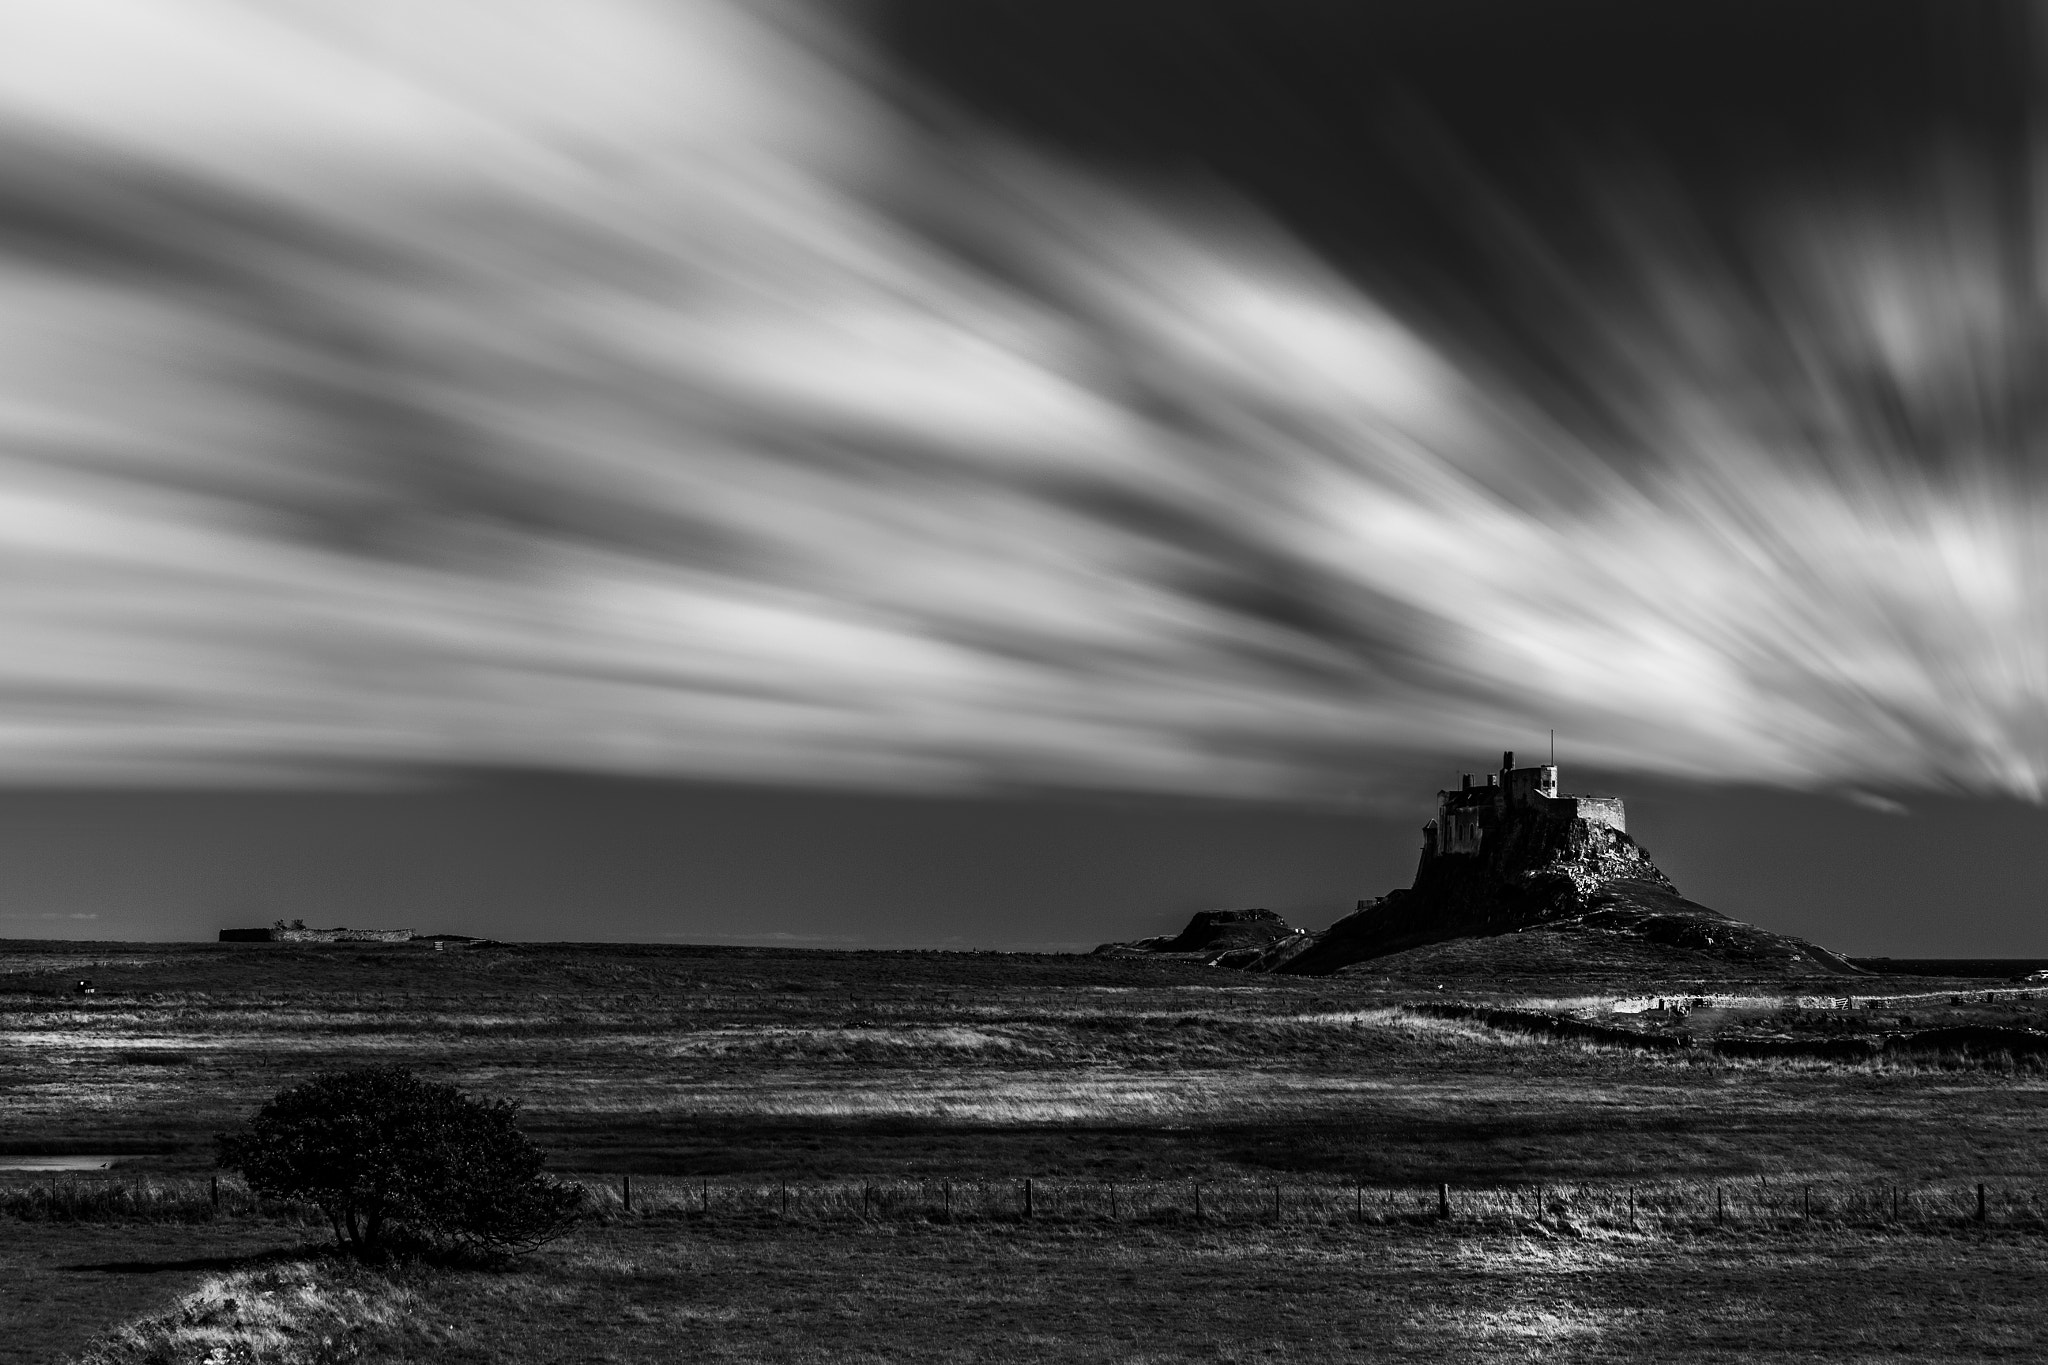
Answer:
(1755, 1204)
(144, 1199)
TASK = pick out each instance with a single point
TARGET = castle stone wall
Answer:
(1525, 785)
(1470, 820)
(1460, 829)
(1602, 810)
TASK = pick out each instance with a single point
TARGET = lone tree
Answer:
(384, 1153)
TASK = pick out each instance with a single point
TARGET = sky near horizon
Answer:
(549, 856)
(435, 438)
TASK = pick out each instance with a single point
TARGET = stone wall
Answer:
(1526, 785)
(1459, 828)
(1467, 820)
(1602, 810)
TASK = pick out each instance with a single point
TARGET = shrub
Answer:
(386, 1154)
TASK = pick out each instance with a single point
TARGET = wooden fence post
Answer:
(1980, 1205)
(1112, 1201)
(1361, 1201)
(1027, 1196)
(1443, 1199)
(626, 1191)
(866, 1198)
(948, 1187)
(704, 1194)
(782, 1196)
(1806, 1202)
(1631, 1209)
(213, 1189)
(1198, 1199)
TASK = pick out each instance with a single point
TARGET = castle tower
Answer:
(1469, 819)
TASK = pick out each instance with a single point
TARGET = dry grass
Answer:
(842, 1065)
(655, 1291)
(294, 1313)
(877, 1087)
(141, 1199)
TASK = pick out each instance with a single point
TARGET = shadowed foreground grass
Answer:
(656, 1290)
(63, 1283)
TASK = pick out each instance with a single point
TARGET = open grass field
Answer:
(657, 1291)
(830, 1151)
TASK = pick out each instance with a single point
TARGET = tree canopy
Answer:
(384, 1153)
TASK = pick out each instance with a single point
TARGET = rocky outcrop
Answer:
(1513, 858)
(1541, 870)
(1220, 938)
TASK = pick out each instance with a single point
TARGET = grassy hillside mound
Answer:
(1607, 945)
(1633, 929)
(1588, 892)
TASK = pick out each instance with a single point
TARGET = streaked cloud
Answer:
(640, 388)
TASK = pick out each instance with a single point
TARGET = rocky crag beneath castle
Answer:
(1515, 879)
(1510, 856)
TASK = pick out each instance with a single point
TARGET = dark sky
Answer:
(1492, 167)
(549, 857)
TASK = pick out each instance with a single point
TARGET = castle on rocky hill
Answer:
(1473, 818)
(1513, 879)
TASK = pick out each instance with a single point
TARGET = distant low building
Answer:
(281, 934)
